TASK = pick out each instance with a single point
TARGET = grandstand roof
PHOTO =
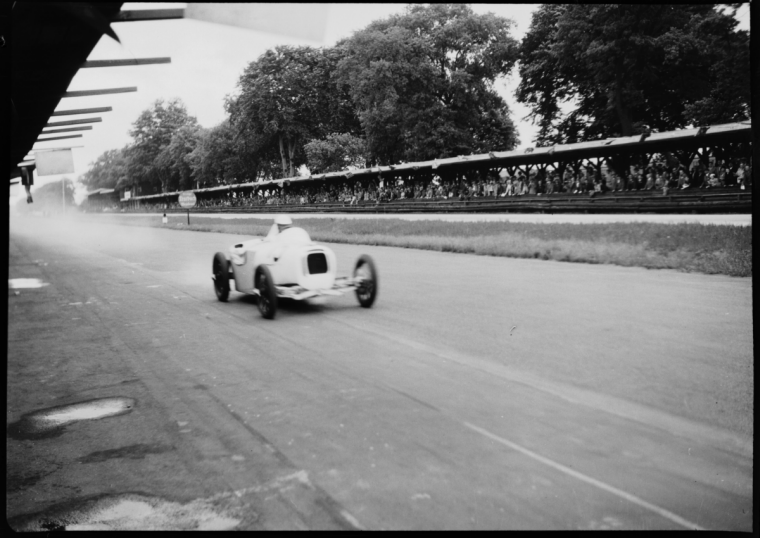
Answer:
(100, 191)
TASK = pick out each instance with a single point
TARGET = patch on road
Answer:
(133, 452)
(132, 511)
(50, 422)
(26, 283)
(18, 481)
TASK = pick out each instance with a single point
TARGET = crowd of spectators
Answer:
(657, 176)
(718, 174)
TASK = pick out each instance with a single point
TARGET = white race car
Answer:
(288, 264)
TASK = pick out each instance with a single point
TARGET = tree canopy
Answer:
(152, 133)
(287, 97)
(422, 82)
(109, 171)
(632, 68)
(336, 152)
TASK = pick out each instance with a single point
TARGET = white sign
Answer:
(187, 199)
(51, 163)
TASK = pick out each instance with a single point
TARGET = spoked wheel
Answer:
(367, 290)
(221, 272)
(267, 293)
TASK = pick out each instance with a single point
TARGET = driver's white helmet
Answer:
(283, 220)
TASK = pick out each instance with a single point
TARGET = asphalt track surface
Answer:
(478, 392)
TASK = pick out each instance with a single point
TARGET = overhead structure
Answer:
(49, 43)
(57, 138)
(72, 122)
(84, 128)
(74, 112)
(304, 20)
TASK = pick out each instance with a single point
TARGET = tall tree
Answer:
(152, 133)
(287, 96)
(221, 157)
(175, 157)
(631, 68)
(209, 158)
(422, 82)
(108, 171)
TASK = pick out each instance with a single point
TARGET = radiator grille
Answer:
(317, 263)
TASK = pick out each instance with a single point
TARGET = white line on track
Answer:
(642, 414)
(593, 481)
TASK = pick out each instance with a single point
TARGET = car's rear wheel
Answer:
(267, 293)
(221, 272)
(367, 290)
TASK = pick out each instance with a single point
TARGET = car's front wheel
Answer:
(267, 294)
(221, 272)
(367, 290)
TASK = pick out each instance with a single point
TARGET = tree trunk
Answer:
(624, 117)
(282, 156)
(291, 151)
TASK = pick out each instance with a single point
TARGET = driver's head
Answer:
(283, 222)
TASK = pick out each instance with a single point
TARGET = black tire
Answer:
(267, 294)
(221, 272)
(367, 292)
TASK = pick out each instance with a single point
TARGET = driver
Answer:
(283, 234)
(281, 223)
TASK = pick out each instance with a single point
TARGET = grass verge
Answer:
(688, 247)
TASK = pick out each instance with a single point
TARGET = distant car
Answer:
(289, 265)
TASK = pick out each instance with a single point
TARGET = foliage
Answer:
(220, 157)
(109, 171)
(335, 153)
(287, 97)
(632, 68)
(728, 71)
(152, 133)
(175, 158)
(422, 82)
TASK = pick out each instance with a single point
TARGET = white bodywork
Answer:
(286, 254)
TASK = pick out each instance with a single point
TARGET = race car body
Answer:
(289, 265)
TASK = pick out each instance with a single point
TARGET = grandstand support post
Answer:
(576, 167)
(596, 168)
(704, 156)
(560, 167)
(620, 164)
(188, 217)
(685, 158)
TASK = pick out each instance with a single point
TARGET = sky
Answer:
(207, 60)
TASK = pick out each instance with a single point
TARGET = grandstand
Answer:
(462, 183)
